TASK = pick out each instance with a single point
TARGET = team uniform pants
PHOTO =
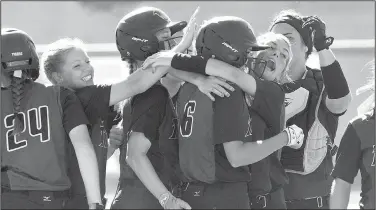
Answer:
(320, 202)
(79, 202)
(272, 200)
(220, 195)
(132, 194)
(22, 199)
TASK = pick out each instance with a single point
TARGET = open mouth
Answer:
(87, 78)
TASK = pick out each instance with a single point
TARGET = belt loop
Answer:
(319, 201)
(259, 197)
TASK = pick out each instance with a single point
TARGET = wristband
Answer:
(164, 198)
(335, 81)
(189, 63)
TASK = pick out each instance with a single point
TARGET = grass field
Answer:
(109, 69)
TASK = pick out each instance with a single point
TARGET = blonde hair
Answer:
(368, 104)
(278, 39)
(54, 55)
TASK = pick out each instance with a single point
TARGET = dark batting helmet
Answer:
(136, 33)
(228, 38)
(18, 52)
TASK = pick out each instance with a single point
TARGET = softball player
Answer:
(36, 120)
(67, 64)
(315, 101)
(229, 188)
(149, 119)
(357, 153)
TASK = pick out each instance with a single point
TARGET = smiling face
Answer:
(273, 62)
(76, 70)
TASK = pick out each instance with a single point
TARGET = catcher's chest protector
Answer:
(196, 144)
(309, 157)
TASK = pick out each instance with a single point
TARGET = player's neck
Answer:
(171, 85)
(297, 71)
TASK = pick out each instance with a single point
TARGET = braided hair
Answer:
(18, 87)
(18, 54)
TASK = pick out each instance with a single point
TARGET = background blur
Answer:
(352, 23)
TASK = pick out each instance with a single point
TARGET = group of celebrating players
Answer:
(209, 118)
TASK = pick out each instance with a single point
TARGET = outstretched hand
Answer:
(189, 34)
(216, 85)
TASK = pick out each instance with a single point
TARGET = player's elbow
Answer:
(137, 148)
(233, 153)
(340, 105)
(234, 162)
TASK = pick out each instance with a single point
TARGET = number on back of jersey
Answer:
(186, 125)
(38, 124)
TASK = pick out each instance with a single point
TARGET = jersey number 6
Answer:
(186, 125)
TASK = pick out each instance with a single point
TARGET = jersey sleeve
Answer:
(73, 113)
(269, 104)
(148, 110)
(95, 100)
(348, 156)
(228, 120)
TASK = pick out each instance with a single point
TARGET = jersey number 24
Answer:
(36, 120)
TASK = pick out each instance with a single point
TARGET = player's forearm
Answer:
(326, 57)
(339, 95)
(190, 77)
(339, 198)
(87, 161)
(136, 83)
(251, 152)
(230, 73)
(144, 170)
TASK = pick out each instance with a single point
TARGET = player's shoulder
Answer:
(87, 91)
(155, 93)
(362, 118)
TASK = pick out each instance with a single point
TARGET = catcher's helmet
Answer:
(228, 38)
(136, 32)
(18, 52)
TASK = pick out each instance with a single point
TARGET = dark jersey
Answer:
(319, 181)
(267, 113)
(223, 121)
(95, 101)
(357, 153)
(36, 159)
(230, 123)
(152, 114)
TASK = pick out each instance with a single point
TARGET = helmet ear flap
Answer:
(34, 74)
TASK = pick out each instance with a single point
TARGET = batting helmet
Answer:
(136, 33)
(18, 52)
(228, 38)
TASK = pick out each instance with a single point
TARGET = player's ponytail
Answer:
(368, 104)
(18, 89)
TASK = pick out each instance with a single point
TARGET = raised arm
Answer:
(339, 95)
(136, 83)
